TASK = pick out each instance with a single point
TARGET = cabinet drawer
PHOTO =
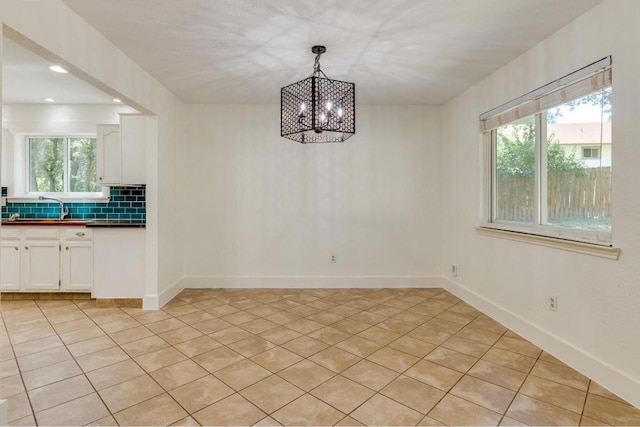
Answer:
(41, 234)
(10, 234)
(78, 234)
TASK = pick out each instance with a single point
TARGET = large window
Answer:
(61, 165)
(550, 159)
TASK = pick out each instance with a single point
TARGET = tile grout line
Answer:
(584, 404)
(304, 358)
(33, 414)
(324, 325)
(141, 367)
(463, 375)
(381, 299)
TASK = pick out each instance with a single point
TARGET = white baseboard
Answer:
(3, 413)
(155, 302)
(312, 282)
(588, 365)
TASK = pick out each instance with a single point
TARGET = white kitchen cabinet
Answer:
(9, 264)
(136, 131)
(47, 259)
(121, 155)
(76, 260)
(108, 155)
(119, 262)
(41, 265)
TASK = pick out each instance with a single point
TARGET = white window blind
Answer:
(592, 78)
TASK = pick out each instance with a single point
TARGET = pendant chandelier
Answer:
(318, 109)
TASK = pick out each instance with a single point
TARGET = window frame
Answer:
(101, 194)
(489, 178)
(591, 150)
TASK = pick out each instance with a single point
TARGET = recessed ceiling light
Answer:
(49, 100)
(117, 101)
(58, 69)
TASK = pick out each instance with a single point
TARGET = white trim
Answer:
(312, 282)
(606, 375)
(551, 242)
(156, 302)
(3, 412)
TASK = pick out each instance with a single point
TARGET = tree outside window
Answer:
(62, 164)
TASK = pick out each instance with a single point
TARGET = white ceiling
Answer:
(26, 79)
(396, 51)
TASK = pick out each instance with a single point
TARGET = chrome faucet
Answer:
(63, 211)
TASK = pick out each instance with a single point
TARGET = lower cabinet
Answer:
(119, 262)
(41, 265)
(10, 268)
(47, 259)
(76, 264)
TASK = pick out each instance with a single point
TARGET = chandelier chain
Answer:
(316, 64)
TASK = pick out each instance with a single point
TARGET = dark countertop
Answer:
(119, 224)
(74, 223)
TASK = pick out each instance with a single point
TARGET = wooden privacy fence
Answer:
(584, 193)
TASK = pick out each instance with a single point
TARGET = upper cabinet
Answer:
(108, 155)
(121, 150)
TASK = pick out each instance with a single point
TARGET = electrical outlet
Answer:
(333, 258)
(553, 303)
(454, 270)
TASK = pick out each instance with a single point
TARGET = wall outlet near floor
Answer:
(333, 259)
(553, 303)
(454, 270)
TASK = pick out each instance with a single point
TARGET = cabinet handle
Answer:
(79, 234)
(99, 178)
(67, 248)
(16, 248)
(26, 248)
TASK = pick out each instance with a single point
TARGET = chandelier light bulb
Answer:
(340, 112)
(303, 107)
(328, 105)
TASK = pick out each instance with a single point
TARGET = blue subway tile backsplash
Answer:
(126, 204)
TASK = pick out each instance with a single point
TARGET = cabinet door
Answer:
(10, 265)
(135, 131)
(77, 266)
(108, 155)
(41, 265)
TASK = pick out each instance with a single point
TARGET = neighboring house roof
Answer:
(580, 133)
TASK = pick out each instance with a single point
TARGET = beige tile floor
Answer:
(290, 357)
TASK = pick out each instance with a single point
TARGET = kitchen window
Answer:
(540, 179)
(61, 164)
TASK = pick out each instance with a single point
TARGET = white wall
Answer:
(58, 31)
(261, 210)
(59, 119)
(598, 318)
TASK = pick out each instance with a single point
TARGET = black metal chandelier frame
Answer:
(317, 109)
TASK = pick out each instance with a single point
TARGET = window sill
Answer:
(552, 242)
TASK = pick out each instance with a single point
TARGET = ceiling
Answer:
(26, 79)
(396, 51)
